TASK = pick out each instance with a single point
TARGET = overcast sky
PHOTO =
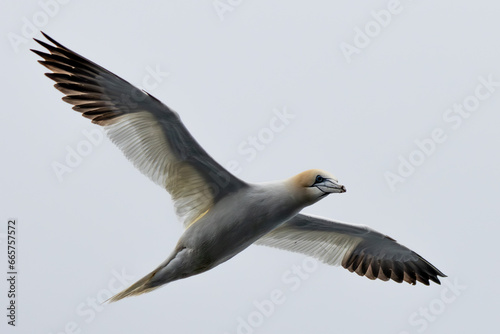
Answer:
(399, 100)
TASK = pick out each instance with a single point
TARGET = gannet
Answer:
(222, 214)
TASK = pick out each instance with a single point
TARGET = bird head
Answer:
(314, 184)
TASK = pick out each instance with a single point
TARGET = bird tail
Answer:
(141, 286)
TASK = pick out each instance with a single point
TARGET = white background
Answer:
(227, 73)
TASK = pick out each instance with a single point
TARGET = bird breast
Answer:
(238, 220)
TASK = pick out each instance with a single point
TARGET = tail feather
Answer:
(170, 270)
(138, 288)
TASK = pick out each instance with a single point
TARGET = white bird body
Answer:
(229, 227)
(225, 230)
(222, 214)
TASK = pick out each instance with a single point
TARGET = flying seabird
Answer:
(222, 214)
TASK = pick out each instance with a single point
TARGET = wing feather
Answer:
(149, 133)
(359, 249)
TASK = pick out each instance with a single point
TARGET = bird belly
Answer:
(221, 234)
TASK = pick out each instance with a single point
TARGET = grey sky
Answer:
(399, 100)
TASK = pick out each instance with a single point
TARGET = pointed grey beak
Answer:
(331, 186)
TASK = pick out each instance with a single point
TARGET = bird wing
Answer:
(357, 248)
(150, 134)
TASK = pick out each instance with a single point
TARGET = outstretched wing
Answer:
(357, 248)
(150, 134)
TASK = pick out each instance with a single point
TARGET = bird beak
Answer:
(330, 186)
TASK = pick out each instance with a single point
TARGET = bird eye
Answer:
(319, 179)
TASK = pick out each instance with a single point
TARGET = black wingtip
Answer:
(38, 41)
(51, 39)
(45, 45)
(435, 279)
(42, 43)
(40, 53)
(48, 46)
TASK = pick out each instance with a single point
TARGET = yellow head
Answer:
(314, 184)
